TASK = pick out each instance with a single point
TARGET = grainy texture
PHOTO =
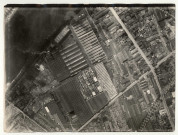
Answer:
(90, 69)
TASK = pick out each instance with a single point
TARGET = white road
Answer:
(146, 60)
(113, 100)
(165, 58)
(26, 116)
(135, 82)
(131, 85)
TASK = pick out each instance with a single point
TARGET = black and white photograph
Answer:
(89, 68)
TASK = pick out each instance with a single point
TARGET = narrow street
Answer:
(147, 61)
(26, 115)
(159, 32)
(165, 58)
(113, 100)
(128, 73)
(135, 82)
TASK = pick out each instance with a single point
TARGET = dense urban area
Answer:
(107, 69)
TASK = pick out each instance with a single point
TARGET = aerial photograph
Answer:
(89, 68)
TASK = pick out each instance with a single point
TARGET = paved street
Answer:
(114, 99)
(165, 58)
(110, 68)
(26, 116)
(147, 61)
(160, 34)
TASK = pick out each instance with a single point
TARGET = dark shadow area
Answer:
(29, 32)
